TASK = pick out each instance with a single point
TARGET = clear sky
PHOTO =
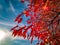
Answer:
(9, 9)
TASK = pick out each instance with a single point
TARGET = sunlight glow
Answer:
(2, 35)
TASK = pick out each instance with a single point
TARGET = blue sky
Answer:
(9, 9)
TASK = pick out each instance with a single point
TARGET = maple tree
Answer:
(44, 22)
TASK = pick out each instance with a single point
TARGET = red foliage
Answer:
(44, 21)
